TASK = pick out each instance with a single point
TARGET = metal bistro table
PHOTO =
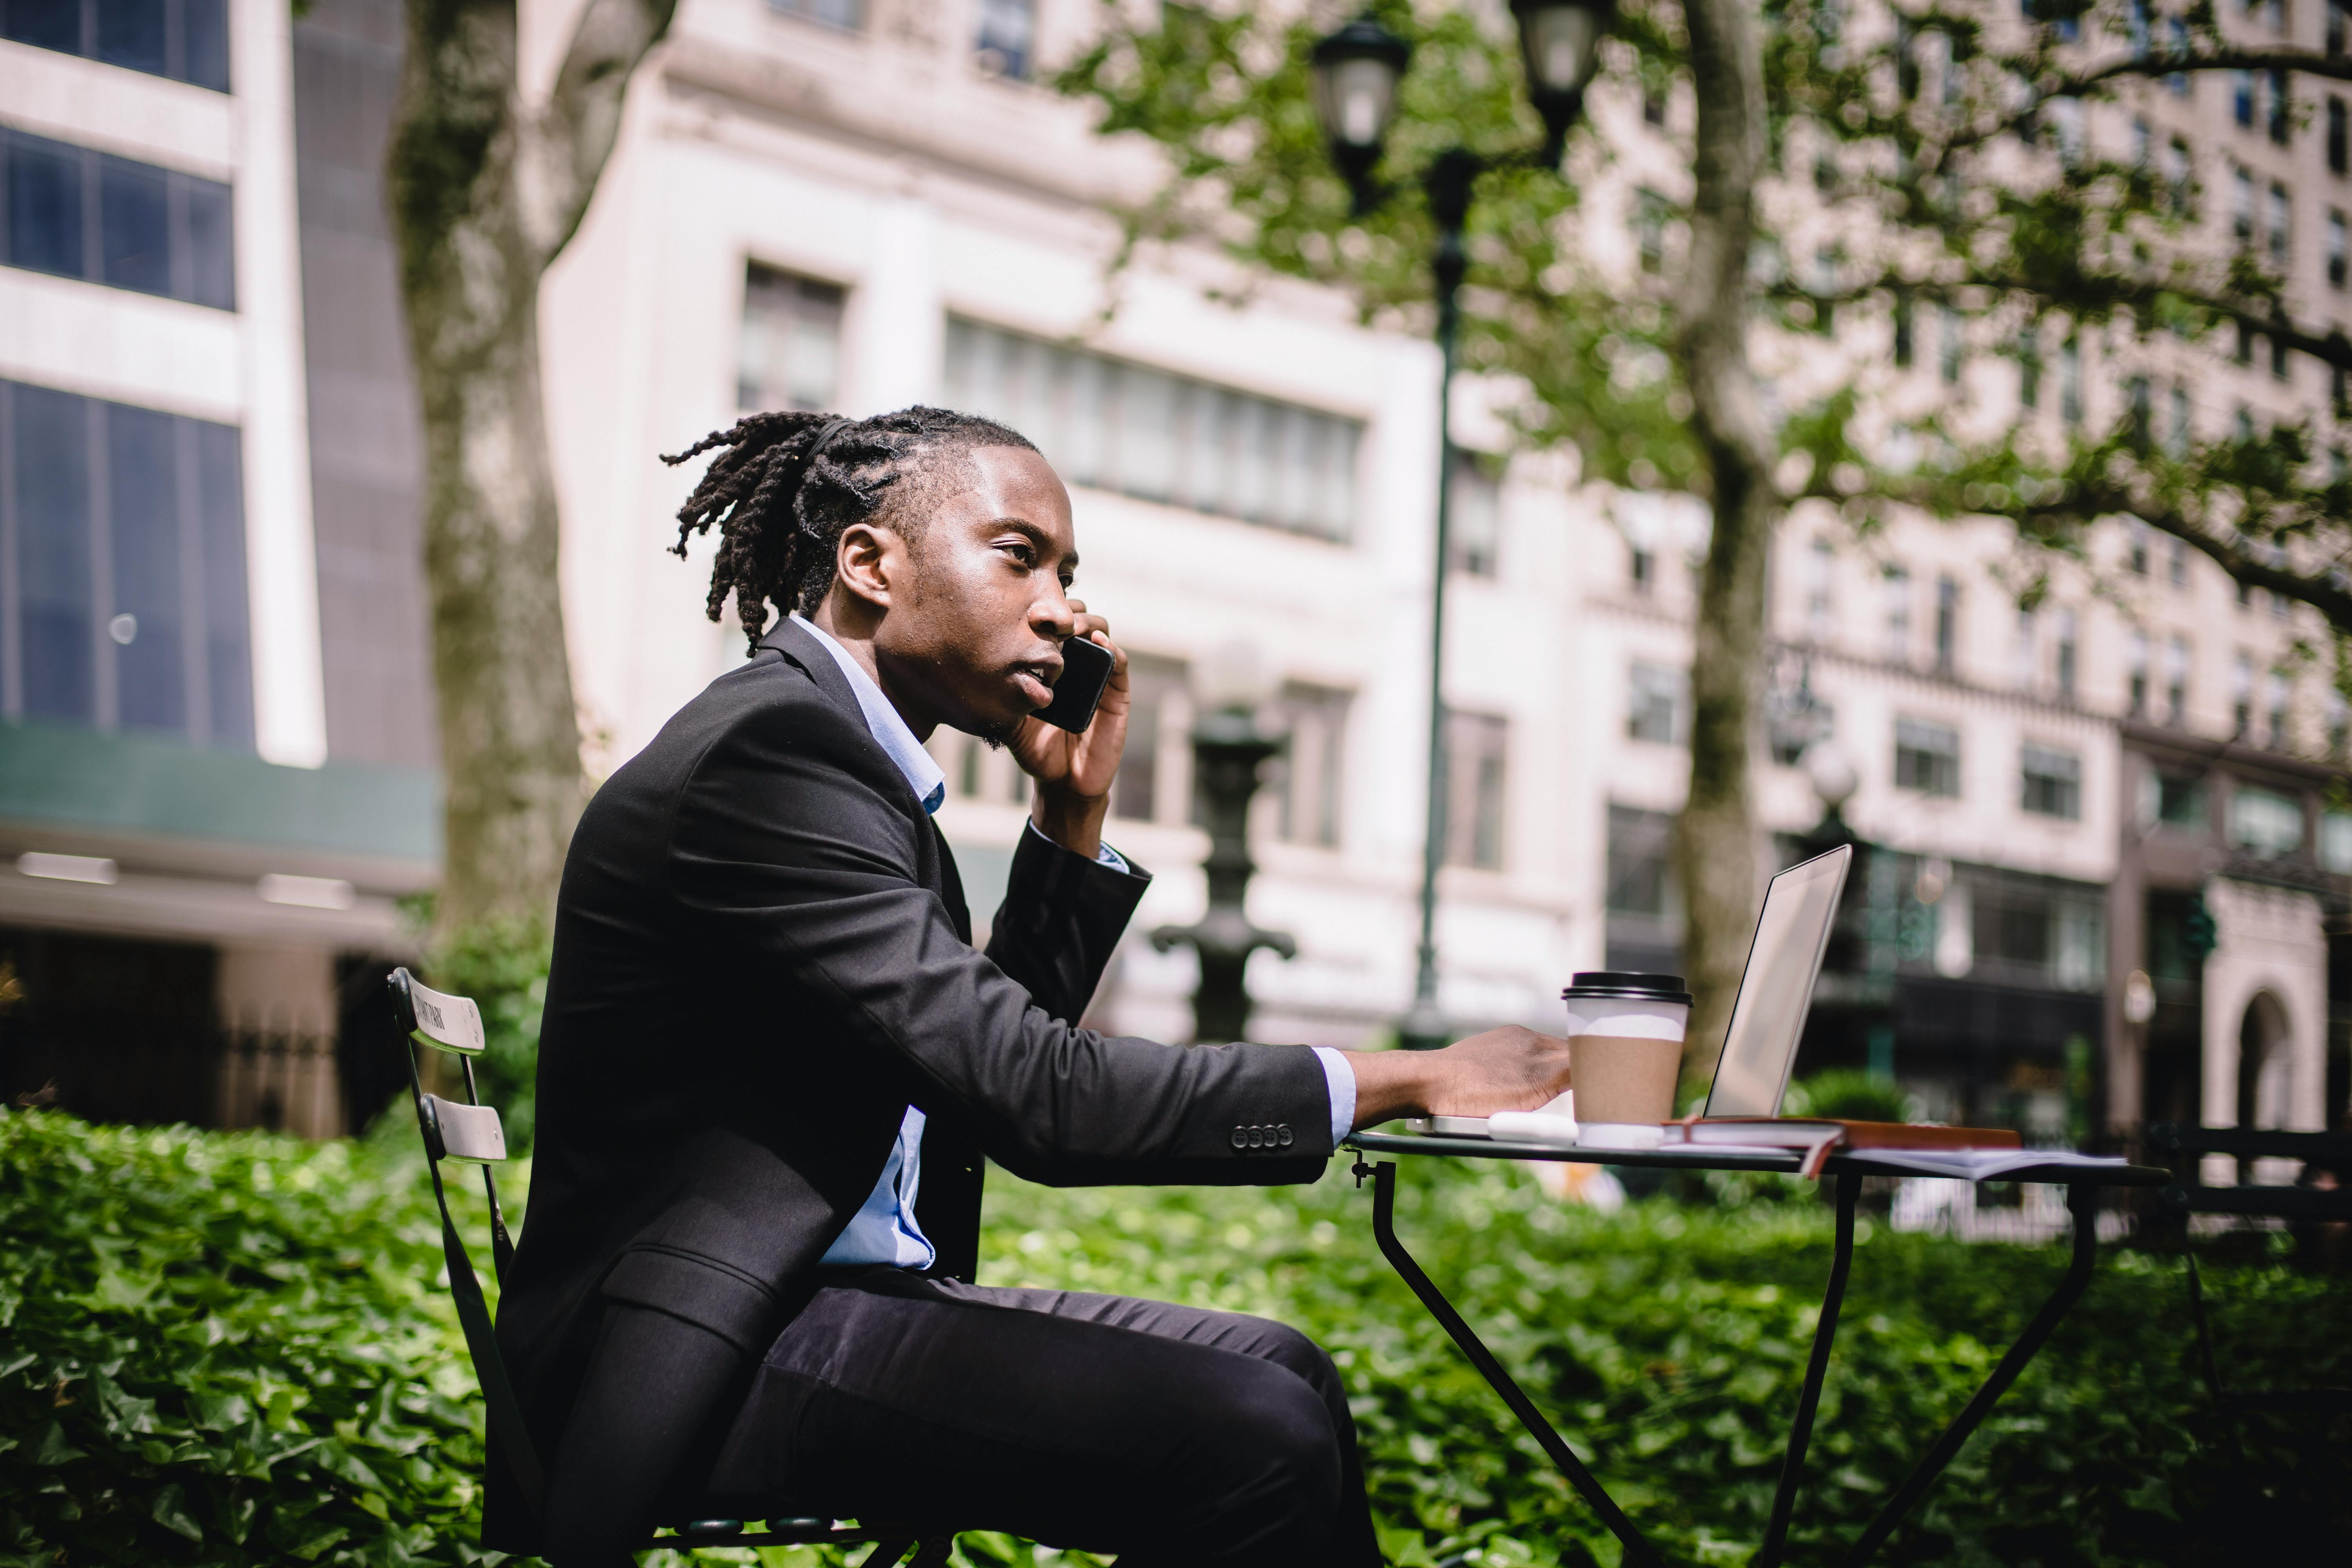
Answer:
(2080, 1181)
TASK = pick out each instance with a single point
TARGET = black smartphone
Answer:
(1086, 670)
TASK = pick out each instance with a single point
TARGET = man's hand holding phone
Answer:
(1073, 769)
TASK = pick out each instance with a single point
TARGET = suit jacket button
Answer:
(1258, 1137)
(1283, 1132)
(1241, 1137)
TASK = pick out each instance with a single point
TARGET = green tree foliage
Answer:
(234, 1349)
(1939, 142)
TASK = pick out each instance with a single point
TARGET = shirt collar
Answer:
(923, 774)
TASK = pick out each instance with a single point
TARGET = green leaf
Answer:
(55, 1449)
(171, 1511)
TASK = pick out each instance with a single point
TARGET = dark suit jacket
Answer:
(763, 956)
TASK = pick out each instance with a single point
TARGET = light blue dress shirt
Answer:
(884, 1230)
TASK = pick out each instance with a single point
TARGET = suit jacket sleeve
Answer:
(791, 847)
(1061, 919)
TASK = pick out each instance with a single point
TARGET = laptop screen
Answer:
(1777, 991)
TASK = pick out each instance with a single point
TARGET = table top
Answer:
(1701, 1157)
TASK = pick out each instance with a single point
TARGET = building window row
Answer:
(1118, 426)
(122, 562)
(1928, 759)
(82, 214)
(186, 40)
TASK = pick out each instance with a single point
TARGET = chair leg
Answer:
(933, 1553)
(2205, 1351)
(886, 1555)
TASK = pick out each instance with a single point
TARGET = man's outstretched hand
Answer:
(1508, 1068)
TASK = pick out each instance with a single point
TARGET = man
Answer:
(772, 1064)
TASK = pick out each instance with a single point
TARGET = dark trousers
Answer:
(1159, 1433)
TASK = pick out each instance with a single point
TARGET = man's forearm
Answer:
(1509, 1068)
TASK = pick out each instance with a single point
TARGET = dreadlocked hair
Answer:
(780, 493)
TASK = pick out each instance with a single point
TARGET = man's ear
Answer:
(867, 562)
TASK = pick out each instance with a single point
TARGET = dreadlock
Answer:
(787, 484)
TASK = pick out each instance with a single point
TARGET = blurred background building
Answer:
(2113, 861)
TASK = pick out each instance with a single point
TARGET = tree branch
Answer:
(566, 146)
(2305, 61)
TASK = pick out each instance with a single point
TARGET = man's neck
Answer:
(855, 635)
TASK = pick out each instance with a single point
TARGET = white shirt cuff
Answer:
(1104, 854)
(1340, 1079)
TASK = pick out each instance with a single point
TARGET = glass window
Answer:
(1476, 746)
(1654, 708)
(2336, 842)
(183, 39)
(1641, 868)
(1894, 584)
(1820, 560)
(1927, 757)
(2136, 657)
(1007, 42)
(2052, 781)
(2181, 801)
(848, 14)
(2265, 823)
(49, 492)
(158, 231)
(2335, 248)
(2277, 691)
(1306, 776)
(2176, 680)
(1475, 528)
(2335, 137)
(130, 35)
(125, 531)
(789, 354)
(1155, 715)
(134, 227)
(1114, 426)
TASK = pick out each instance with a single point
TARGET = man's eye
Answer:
(1021, 552)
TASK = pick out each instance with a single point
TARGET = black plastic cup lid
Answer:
(1621, 984)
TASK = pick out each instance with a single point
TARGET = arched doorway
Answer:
(2265, 1064)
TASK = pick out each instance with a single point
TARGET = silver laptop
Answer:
(1776, 992)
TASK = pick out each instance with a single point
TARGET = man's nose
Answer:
(1052, 616)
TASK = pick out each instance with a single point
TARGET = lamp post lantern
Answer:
(1356, 72)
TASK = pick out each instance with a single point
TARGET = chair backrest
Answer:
(469, 1134)
(2183, 1147)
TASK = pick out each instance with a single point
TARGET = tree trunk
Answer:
(484, 192)
(1715, 847)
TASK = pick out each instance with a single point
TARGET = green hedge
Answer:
(234, 1348)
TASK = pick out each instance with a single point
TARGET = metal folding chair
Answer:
(471, 1134)
(2184, 1148)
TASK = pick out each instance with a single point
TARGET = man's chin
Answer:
(997, 736)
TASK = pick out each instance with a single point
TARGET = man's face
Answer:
(973, 634)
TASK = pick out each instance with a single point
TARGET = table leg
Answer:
(2082, 1202)
(1784, 1498)
(1638, 1549)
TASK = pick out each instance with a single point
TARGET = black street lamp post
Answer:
(1227, 751)
(1356, 74)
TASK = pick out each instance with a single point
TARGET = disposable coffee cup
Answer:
(1624, 1056)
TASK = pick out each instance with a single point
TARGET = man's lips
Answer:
(1035, 681)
